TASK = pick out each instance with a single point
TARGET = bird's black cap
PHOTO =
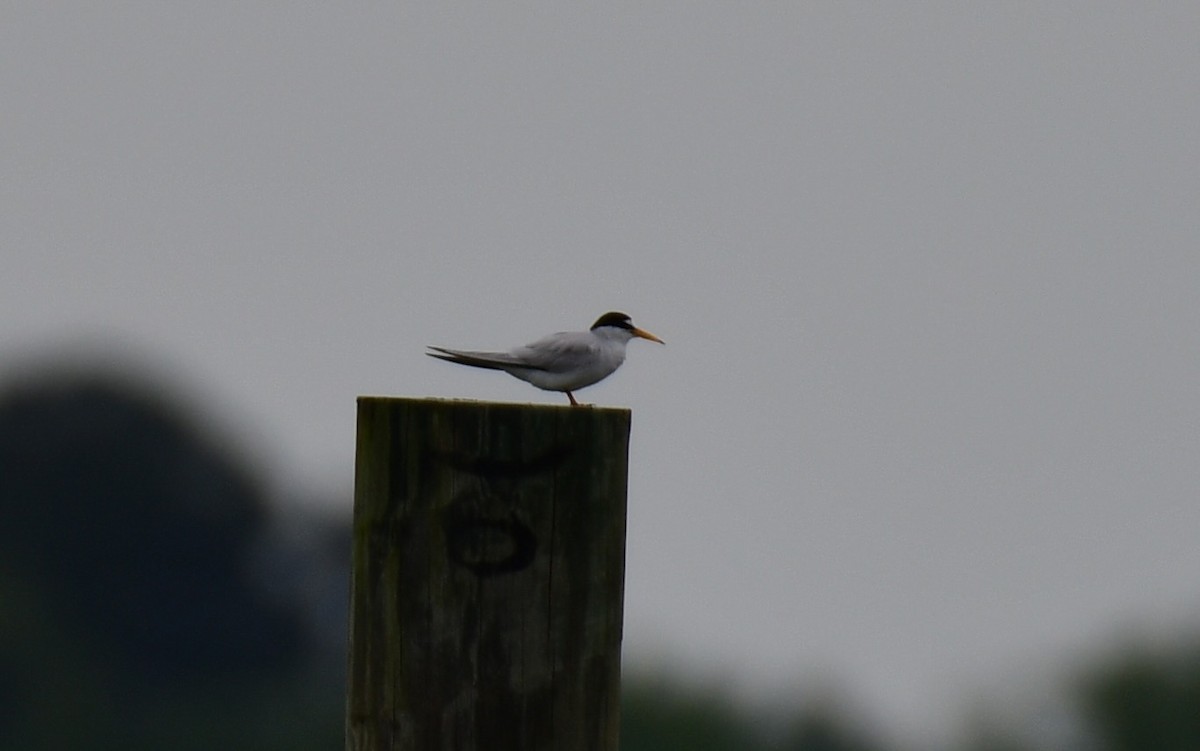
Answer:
(619, 320)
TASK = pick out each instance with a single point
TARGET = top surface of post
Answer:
(479, 403)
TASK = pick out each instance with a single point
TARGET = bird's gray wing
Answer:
(558, 353)
(490, 360)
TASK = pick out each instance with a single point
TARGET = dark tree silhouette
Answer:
(1145, 699)
(138, 530)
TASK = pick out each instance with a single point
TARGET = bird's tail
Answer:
(489, 360)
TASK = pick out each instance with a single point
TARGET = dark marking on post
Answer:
(488, 547)
(501, 467)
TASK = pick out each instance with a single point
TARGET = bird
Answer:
(566, 361)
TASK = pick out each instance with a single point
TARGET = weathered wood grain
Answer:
(488, 577)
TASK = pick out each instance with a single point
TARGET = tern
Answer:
(566, 361)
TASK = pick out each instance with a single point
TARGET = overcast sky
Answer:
(928, 411)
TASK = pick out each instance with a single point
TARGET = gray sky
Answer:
(928, 413)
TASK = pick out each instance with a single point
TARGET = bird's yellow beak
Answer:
(647, 335)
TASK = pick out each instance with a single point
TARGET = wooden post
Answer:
(488, 577)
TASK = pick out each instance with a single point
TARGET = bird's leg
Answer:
(572, 398)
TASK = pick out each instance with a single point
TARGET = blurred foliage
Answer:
(821, 730)
(660, 714)
(146, 603)
(134, 616)
(1144, 699)
(657, 715)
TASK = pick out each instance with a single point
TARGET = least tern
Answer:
(566, 361)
